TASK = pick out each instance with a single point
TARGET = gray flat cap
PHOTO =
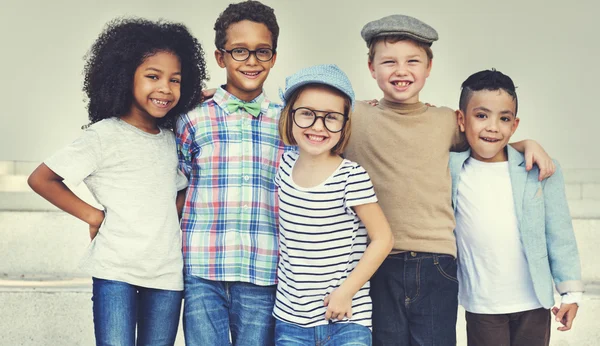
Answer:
(399, 25)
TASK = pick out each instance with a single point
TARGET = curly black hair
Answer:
(122, 46)
(248, 10)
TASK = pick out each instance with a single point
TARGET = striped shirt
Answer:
(229, 219)
(321, 240)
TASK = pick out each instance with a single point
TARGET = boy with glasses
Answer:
(229, 148)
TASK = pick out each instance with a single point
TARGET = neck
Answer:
(404, 108)
(245, 96)
(143, 123)
(311, 170)
(310, 160)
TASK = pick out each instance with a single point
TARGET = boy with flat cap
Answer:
(404, 145)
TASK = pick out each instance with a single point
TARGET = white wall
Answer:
(551, 52)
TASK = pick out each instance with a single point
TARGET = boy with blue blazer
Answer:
(514, 233)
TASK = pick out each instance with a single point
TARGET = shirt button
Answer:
(246, 178)
(413, 254)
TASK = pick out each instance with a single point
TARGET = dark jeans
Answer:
(119, 307)
(415, 300)
(526, 328)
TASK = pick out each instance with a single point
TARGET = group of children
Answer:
(286, 238)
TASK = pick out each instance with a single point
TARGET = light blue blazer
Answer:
(544, 223)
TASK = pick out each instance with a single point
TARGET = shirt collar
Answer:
(222, 97)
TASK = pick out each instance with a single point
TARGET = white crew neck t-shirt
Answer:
(134, 175)
(493, 273)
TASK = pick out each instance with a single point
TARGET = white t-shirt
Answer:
(493, 273)
(321, 240)
(135, 176)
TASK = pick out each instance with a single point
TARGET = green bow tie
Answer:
(250, 107)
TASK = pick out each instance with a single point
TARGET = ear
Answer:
(372, 69)
(273, 60)
(220, 57)
(514, 126)
(460, 117)
(429, 68)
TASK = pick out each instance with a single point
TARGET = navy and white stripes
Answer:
(321, 240)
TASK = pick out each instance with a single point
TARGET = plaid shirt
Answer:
(230, 219)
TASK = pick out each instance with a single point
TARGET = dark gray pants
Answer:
(526, 328)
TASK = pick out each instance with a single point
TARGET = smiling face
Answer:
(317, 141)
(488, 124)
(400, 69)
(245, 79)
(156, 89)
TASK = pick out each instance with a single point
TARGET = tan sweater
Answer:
(405, 149)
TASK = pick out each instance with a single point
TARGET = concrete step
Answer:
(51, 243)
(15, 195)
(19, 197)
(52, 311)
(17, 167)
(59, 312)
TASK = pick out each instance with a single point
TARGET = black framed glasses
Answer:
(242, 54)
(305, 118)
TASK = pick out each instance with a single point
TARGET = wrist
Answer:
(96, 218)
(572, 298)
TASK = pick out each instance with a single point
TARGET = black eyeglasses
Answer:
(242, 54)
(305, 118)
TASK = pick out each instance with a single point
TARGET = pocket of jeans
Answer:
(446, 266)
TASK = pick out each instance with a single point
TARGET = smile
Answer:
(490, 140)
(160, 103)
(402, 83)
(315, 138)
(251, 74)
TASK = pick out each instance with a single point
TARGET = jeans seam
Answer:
(408, 300)
(441, 270)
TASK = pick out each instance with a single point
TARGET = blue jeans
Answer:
(332, 334)
(119, 306)
(214, 309)
(415, 300)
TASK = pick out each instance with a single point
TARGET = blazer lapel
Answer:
(518, 178)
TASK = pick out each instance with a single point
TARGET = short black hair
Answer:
(248, 10)
(122, 46)
(491, 80)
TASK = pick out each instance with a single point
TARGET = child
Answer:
(229, 149)
(325, 263)
(514, 233)
(139, 75)
(404, 145)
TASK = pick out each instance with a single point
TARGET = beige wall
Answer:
(551, 51)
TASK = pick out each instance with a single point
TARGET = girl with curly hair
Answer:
(139, 76)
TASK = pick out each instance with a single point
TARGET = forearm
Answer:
(520, 146)
(180, 201)
(57, 193)
(372, 258)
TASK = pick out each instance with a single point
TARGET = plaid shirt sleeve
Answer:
(184, 136)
